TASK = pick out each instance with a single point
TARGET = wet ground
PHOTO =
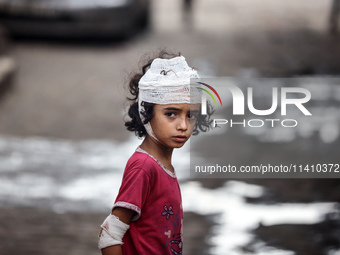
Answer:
(74, 92)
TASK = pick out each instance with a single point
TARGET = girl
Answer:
(147, 217)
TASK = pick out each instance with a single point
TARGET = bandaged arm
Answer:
(113, 229)
(112, 232)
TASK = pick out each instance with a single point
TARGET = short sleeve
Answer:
(133, 191)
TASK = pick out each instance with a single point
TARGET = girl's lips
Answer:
(180, 138)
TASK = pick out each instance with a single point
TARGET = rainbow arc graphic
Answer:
(209, 93)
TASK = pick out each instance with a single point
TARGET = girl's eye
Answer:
(192, 116)
(170, 114)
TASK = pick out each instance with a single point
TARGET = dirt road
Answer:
(71, 91)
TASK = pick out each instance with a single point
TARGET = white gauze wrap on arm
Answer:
(112, 232)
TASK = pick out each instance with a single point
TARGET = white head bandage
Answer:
(167, 82)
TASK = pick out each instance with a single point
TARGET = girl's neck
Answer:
(162, 153)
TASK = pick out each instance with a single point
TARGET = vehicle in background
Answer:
(74, 18)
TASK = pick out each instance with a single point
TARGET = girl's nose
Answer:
(182, 124)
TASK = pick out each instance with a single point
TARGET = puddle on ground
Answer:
(61, 175)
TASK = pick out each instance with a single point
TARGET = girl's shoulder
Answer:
(141, 160)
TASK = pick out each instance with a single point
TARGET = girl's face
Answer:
(173, 124)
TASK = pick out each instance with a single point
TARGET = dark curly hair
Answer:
(134, 123)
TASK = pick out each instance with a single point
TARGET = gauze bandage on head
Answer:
(167, 82)
(112, 232)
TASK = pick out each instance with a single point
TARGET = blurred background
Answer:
(63, 145)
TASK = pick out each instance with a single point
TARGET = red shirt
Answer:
(152, 191)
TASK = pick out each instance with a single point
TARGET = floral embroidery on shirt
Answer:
(167, 211)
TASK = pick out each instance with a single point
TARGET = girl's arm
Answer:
(124, 215)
